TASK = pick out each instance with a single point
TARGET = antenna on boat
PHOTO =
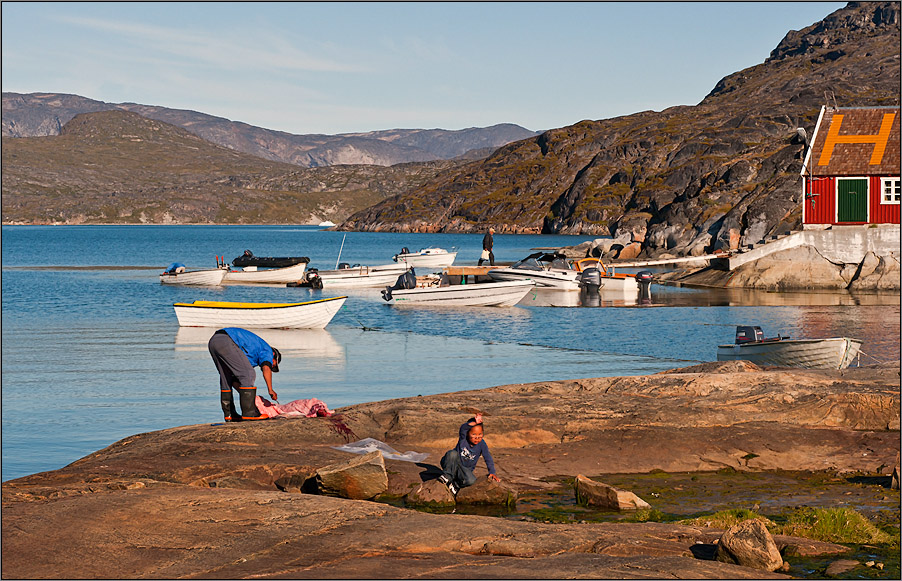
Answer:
(340, 249)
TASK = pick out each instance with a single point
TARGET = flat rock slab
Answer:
(182, 531)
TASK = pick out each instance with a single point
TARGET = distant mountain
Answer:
(686, 180)
(44, 114)
(116, 166)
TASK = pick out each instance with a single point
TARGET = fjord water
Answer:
(92, 351)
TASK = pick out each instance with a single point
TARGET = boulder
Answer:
(431, 493)
(749, 544)
(359, 478)
(487, 491)
(593, 493)
(630, 251)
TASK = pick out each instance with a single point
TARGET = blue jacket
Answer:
(258, 351)
(470, 454)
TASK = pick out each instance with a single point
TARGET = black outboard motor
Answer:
(644, 278)
(312, 278)
(590, 279)
(748, 334)
(405, 281)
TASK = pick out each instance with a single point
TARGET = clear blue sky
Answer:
(349, 67)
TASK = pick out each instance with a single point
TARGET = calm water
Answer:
(92, 351)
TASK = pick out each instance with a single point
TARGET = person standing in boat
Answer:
(235, 353)
(487, 243)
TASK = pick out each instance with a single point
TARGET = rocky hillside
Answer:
(120, 167)
(44, 114)
(686, 180)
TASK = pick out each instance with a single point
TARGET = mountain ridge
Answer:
(44, 114)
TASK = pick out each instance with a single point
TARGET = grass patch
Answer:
(833, 525)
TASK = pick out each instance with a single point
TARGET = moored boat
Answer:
(175, 273)
(594, 274)
(426, 258)
(306, 315)
(750, 345)
(248, 259)
(251, 274)
(438, 291)
(356, 276)
(549, 269)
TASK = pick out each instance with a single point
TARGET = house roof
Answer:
(855, 141)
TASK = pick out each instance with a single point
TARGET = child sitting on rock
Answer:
(459, 462)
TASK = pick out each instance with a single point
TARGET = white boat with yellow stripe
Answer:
(307, 315)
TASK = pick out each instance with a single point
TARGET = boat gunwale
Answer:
(251, 306)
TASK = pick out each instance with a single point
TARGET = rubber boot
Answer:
(228, 406)
(248, 397)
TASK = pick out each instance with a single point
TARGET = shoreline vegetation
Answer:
(809, 452)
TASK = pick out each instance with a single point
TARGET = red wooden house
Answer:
(851, 171)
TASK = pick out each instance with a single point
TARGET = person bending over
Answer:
(459, 462)
(236, 352)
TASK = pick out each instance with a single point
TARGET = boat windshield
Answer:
(529, 263)
(561, 264)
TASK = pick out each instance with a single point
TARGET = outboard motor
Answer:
(748, 334)
(590, 279)
(312, 278)
(405, 281)
(644, 278)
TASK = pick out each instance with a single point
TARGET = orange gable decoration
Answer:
(856, 141)
(879, 140)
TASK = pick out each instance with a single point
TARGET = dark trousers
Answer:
(235, 371)
(452, 467)
(491, 259)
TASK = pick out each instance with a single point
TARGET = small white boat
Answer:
(830, 353)
(253, 274)
(546, 269)
(211, 277)
(607, 280)
(307, 315)
(358, 276)
(477, 294)
(426, 258)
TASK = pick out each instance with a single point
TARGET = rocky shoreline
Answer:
(230, 500)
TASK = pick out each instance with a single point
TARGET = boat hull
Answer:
(563, 280)
(486, 294)
(272, 275)
(212, 277)
(308, 315)
(427, 260)
(362, 276)
(832, 353)
(619, 283)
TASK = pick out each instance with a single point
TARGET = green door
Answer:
(852, 200)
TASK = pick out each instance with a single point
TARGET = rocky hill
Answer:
(45, 114)
(686, 180)
(119, 167)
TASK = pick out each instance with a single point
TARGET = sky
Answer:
(344, 67)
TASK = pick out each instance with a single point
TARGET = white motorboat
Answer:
(356, 276)
(176, 274)
(439, 292)
(595, 274)
(253, 274)
(307, 315)
(750, 345)
(426, 258)
(545, 269)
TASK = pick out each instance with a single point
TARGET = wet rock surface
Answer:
(227, 500)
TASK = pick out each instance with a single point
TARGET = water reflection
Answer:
(315, 343)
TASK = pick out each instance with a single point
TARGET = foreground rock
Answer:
(359, 478)
(751, 545)
(592, 493)
(225, 501)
